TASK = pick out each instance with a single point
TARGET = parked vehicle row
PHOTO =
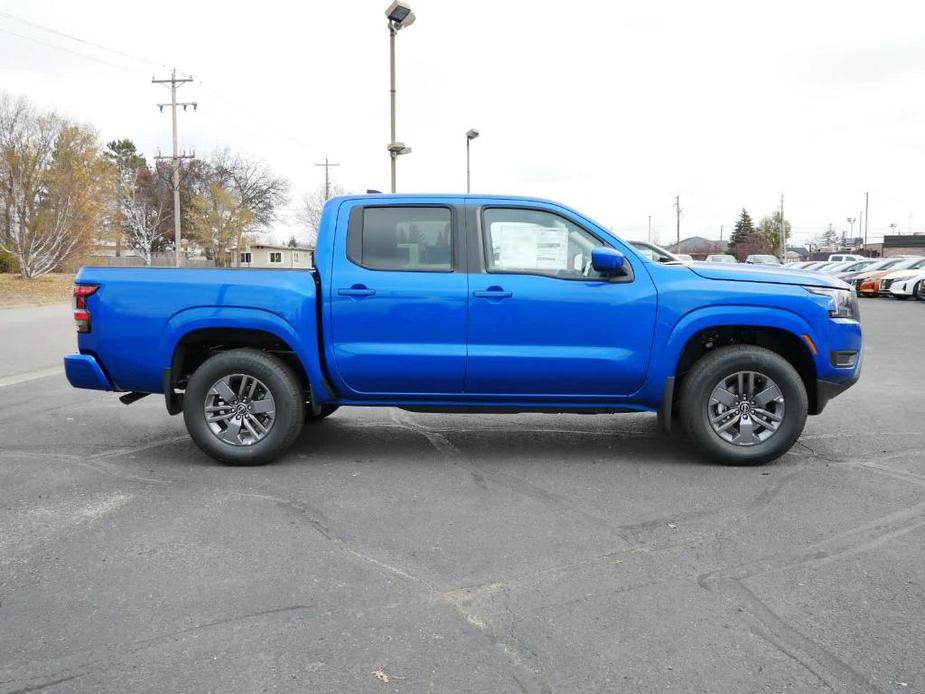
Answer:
(900, 277)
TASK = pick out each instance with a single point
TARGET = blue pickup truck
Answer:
(471, 304)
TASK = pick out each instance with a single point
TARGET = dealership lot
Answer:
(452, 553)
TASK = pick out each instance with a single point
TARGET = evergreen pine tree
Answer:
(743, 228)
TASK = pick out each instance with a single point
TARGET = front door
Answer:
(398, 298)
(542, 321)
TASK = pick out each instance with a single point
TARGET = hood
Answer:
(765, 273)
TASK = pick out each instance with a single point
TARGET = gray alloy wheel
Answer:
(244, 406)
(746, 408)
(743, 405)
(240, 409)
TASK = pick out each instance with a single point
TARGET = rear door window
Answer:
(410, 239)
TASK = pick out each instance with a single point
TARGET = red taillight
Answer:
(81, 314)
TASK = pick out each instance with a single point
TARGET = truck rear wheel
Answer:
(244, 407)
(743, 405)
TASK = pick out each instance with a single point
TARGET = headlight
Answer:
(842, 302)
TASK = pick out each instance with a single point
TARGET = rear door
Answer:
(398, 298)
(542, 322)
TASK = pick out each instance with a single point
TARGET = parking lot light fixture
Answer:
(400, 16)
(470, 136)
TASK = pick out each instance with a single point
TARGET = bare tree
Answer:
(53, 184)
(312, 206)
(145, 208)
(260, 192)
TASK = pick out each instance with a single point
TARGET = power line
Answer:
(239, 108)
(64, 34)
(72, 52)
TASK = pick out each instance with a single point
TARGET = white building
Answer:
(262, 255)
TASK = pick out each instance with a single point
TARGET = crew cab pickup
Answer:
(469, 303)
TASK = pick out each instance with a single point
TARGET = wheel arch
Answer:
(778, 330)
(192, 336)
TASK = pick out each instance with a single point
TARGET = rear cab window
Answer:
(402, 238)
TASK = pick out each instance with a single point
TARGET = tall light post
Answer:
(400, 16)
(851, 221)
(470, 136)
(893, 227)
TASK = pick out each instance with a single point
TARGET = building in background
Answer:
(697, 247)
(267, 256)
(910, 244)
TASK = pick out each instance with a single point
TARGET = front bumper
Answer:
(826, 390)
(84, 371)
(835, 373)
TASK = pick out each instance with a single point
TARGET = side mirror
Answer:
(607, 261)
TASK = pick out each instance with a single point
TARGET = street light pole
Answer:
(400, 16)
(470, 136)
(866, 217)
(392, 154)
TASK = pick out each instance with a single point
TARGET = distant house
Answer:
(797, 254)
(697, 247)
(267, 256)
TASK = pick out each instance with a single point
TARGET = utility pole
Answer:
(327, 179)
(720, 233)
(783, 232)
(677, 210)
(174, 81)
(649, 237)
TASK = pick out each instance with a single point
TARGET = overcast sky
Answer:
(612, 108)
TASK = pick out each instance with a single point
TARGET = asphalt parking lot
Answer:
(462, 553)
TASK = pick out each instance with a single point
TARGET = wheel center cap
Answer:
(242, 408)
(745, 408)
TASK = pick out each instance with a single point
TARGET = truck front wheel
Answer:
(244, 407)
(743, 405)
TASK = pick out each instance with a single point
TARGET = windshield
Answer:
(860, 265)
(837, 267)
(903, 264)
(650, 251)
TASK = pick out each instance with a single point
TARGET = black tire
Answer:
(326, 411)
(708, 372)
(279, 380)
(916, 290)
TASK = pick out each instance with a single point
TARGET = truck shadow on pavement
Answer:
(403, 436)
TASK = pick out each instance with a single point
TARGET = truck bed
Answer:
(139, 315)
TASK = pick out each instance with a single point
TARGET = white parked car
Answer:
(721, 258)
(904, 283)
(758, 259)
(844, 256)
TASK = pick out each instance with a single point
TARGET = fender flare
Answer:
(303, 342)
(708, 317)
